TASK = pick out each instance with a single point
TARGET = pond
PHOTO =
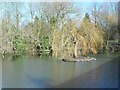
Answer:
(47, 72)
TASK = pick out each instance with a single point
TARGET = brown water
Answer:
(45, 71)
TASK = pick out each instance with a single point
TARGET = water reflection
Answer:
(34, 71)
(100, 77)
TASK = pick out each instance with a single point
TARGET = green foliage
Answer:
(44, 43)
(18, 42)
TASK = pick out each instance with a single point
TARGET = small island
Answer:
(81, 59)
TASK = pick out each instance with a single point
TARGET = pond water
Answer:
(0, 73)
(47, 72)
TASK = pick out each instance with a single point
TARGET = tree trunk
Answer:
(75, 50)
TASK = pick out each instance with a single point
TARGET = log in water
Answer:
(82, 59)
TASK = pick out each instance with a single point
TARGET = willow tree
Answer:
(56, 16)
(75, 42)
(93, 37)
